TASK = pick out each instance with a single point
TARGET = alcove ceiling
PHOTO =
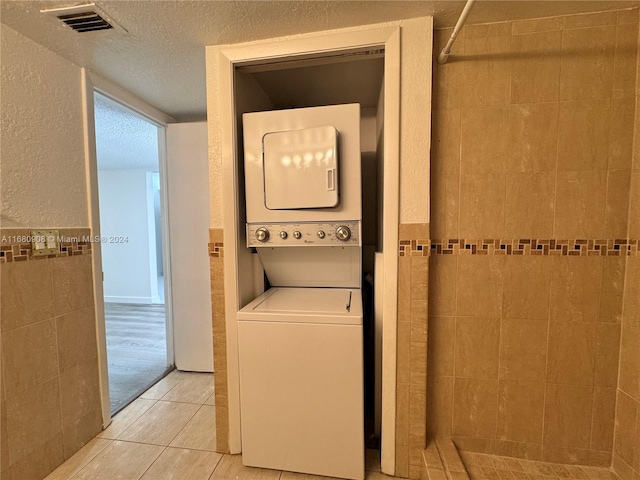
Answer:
(160, 58)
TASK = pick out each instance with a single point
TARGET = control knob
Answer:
(320, 233)
(262, 234)
(283, 235)
(343, 233)
(297, 234)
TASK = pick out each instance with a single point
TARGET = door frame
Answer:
(319, 44)
(91, 83)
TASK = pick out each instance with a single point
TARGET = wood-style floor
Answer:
(136, 350)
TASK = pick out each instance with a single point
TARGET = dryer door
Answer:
(301, 168)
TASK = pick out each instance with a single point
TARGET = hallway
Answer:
(169, 433)
(136, 349)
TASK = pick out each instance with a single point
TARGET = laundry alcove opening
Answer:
(341, 78)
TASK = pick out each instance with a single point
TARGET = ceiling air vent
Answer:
(83, 18)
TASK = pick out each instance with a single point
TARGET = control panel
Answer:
(345, 233)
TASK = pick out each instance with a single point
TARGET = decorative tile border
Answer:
(524, 246)
(74, 241)
(216, 249)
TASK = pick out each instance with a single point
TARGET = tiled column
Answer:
(216, 260)
(411, 384)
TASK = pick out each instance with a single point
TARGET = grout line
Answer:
(99, 454)
(221, 455)
(152, 463)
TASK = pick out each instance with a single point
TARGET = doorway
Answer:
(240, 68)
(130, 206)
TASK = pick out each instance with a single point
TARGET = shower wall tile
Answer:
(48, 332)
(580, 204)
(622, 129)
(567, 419)
(445, 198)
(523, 349)
(529, 205)
(526, 287)
(477, 347)
(625, 434)
(590, 20)
(572, 353)
(440, 405)
(629, 379)
(535, 69)
(479, 286)
(441, 345)
(445, 141)
(482, 205)
(607, 355)
(612, 290)
(583, 135)
(481, 153)
(628, 16)
(520, 411)
(618, 187)
(626, 56)
(574, 289)
(536, 25)
(604, 409)
(442, 284)
(488, 82)
(447, 82)
(487, 30)
(533, 137)
(475, 404)
(587, 63)
(634, 200)
(557, 208)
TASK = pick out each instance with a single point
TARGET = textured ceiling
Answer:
(124, 140)
(161, 58)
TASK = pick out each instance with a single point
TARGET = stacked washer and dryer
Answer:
(301, 342)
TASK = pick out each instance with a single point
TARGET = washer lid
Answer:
(309, 300)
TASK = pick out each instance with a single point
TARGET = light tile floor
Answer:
(494, 467)
(168, 433)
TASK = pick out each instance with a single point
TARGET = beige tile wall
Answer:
(626, 451)
(532, 139)
(216, 261)
(411, 384)
(50, 401)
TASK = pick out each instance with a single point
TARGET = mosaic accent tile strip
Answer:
(524, 246)
(216, 249)
(72, 242)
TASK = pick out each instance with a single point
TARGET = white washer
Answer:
(301, 381)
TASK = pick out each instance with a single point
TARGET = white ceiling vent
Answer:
(83, 18)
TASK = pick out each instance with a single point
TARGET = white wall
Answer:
(187, 175)
(124, 212)
(42, 163)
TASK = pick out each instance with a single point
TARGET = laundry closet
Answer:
(310, 202)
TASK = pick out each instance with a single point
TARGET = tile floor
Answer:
(168, 433)
(493, 467)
